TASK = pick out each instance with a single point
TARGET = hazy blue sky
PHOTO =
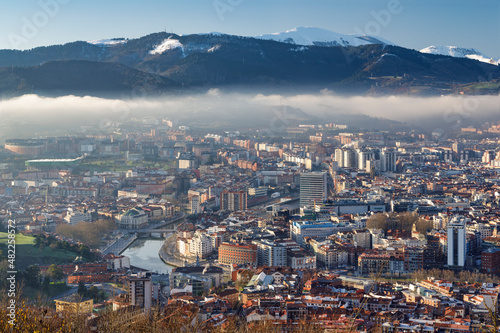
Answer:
(413, 23)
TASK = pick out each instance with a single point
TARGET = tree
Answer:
(46, 284)
(89, 233)
(32, 276)
(55, 272)
(38, 241)
(4, 267)
(377, 221)
(82, 290)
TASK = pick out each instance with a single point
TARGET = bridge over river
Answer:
(121, 244)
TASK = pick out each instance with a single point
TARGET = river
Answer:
(143, 253)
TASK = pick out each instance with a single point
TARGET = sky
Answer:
(413, 24)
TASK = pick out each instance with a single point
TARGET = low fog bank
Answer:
(31, 115)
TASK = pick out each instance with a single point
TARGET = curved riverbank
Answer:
(168, 256)
(167, 259)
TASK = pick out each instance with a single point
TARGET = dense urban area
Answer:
(319, 226)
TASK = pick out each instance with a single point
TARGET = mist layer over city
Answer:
(218, 109)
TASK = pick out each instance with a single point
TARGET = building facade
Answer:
(456, 243)
(237, 254)
(141, 291)
(134, 218)
(313, 188)
(270, 254)
(302, 229)
(233, 201)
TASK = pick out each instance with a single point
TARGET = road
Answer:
(112, 290)
(66, 293)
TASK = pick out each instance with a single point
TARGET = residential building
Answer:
(74, 217)
(270, 253)
(388, 158)
(201, 245)
(301, 259)
(74, 304)
(490, 261)
(201, 278)
(233, 201)
(237, 254)
(332, 256)
(140, 290)
(194, 203)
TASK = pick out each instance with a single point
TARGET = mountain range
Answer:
(302, 58)
(322, 37)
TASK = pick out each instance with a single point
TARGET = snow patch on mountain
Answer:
(386, 55)
(213, 48)
(484, 59)
(166, 45)
(321, 37)
(453, 51)
(108, 42)
(299, 49)
(459, 52)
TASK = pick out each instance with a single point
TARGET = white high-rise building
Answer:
(389, 158)
(349, 159)
(363, 157)
(339, 157)
(456, 242)
(313, 188)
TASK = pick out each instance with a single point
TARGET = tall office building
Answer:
(456, 242)
(313, 188)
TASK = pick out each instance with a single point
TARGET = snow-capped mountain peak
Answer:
(322, 37)
(460, 52)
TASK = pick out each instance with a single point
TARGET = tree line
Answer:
(89, 233)
(399, 221)
(460, 276)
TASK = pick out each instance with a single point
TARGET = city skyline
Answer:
(161, 170)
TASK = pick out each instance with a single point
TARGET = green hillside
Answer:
(27, 254)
